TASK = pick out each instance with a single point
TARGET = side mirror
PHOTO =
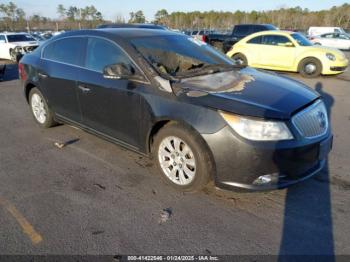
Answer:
(118, 71)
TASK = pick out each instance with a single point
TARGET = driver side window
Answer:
(101, 53)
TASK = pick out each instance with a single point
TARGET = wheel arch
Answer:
(162, 123)
(28, 87)
(300, 60)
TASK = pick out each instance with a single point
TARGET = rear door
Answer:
(109, 106)
(58, 74)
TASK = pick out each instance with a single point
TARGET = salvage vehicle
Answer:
(335, 40)
(288, 51)
(224, 42)
(14, 45)
(178, 100)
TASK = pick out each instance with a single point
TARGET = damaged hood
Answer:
(249, 92)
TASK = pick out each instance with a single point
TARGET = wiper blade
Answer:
(212, 69)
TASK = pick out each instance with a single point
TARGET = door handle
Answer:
(42, 75)
(84, 88)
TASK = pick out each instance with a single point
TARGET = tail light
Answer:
(22, 72)
(204, 38)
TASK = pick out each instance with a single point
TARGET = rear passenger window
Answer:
(67, 50)
(255, 40)
(101, 53)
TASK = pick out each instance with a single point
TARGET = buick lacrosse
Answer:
(181, 102)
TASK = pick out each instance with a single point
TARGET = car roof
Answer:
(125, 33)
(136, 25)
(272, 32)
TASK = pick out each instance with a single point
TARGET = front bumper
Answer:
(239, 162)
(335, 67)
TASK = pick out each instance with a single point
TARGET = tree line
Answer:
(13, 18)
(285, 18)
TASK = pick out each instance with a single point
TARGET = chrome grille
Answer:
(312, 121)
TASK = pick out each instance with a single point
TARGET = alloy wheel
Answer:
(38, 108)
(177, 160)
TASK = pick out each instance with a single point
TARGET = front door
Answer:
(277, 52)
(109, 106)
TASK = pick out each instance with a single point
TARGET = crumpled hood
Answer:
(249, 92)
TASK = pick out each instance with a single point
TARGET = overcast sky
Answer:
(111, 8)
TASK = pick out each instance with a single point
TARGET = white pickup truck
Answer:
(13, 45)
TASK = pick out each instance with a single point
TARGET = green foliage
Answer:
(12, 16)
(72, 17)
(284, 18)
(137, 17)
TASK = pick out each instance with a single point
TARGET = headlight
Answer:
(258, 130)
(330, 56)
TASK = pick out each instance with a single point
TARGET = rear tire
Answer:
(240, 59)
(42, 114)
(182, 158)
(310, 67)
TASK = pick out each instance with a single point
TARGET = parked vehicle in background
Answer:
(201, 34)
(336, 40)
(288, 51)
(46, 35)
(168, 95)
(319, 30)
(14, 45)
(225, 42)
(38, 37)
(145, 26)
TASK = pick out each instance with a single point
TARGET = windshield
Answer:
(181, 56)
(20, 38)
(302, 40)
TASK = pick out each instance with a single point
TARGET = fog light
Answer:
(267, 179)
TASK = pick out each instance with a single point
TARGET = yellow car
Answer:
(288, 51)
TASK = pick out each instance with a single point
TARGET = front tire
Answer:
(310, 67)
(182, 158)
(42, 114)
